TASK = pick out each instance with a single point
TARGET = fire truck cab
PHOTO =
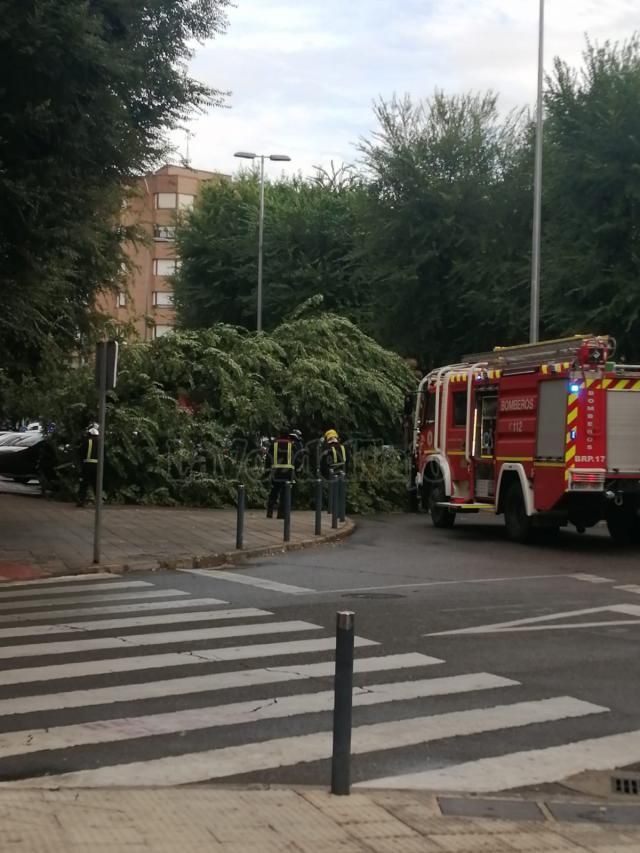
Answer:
(546, 434)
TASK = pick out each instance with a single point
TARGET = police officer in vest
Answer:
(281, 462)
(89, 470)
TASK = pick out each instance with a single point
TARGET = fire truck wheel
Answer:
(440, 515)
(622, 526)
(518, 523)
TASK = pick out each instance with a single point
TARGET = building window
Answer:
(166, 201)
(159, 330)
(121, 300)
(165, 266)
(162, 299)
(185, 202)
(164, 232)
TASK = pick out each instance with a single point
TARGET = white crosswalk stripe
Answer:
(128, 622)
(75, 612)
(134, 640)
(58, 712)
(202, 684)
(34, 603)
(106, 731)
(91, 587)
(265, 755)
(170, 659)
(538, 766)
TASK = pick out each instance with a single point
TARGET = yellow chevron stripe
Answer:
(620, 386)
(571, 452)
(636, 386)
(590, 382)
(606, 382)
(573, 399)
(571, 417)
(568, 439)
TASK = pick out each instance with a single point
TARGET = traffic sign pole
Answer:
(102, 417)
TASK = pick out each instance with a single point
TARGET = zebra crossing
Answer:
(185, 689)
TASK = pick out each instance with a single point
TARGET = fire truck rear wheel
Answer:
(518, 523)
(623, 526)
(440, 516)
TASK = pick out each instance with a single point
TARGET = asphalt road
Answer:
(483, 665)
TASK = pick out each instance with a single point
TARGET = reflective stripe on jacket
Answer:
(338, 451)
(89, 454)
(282, 454)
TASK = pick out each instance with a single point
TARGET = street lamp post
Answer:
(534, 327)
(248, 155)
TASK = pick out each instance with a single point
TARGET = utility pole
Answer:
(534, 327)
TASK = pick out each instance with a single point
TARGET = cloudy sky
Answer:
(303, 73)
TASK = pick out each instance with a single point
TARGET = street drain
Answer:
(374, 595)
(626, 784)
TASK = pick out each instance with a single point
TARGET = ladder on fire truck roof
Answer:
(529, 356)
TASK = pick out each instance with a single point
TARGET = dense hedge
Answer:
(185, 421)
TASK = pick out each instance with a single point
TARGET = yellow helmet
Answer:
(331, 435)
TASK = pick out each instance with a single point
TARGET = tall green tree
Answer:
(88, 91)
(310, 231)
(446, 234)
(591, 251)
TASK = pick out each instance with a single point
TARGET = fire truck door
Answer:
(484, 446)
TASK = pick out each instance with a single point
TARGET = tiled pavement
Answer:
(216, 820)
(40, 537)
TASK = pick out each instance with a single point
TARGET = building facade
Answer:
(144, 308)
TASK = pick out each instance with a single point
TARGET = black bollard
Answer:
(318, 530)
(342, 510)
(287, 511)
(240, 518)
(334, 485)
(343, 699)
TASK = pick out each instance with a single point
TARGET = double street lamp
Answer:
(281, 158)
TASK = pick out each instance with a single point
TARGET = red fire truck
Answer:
(546, 434)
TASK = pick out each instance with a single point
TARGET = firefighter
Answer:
(89, 468)
(333, 458)
(280, 464)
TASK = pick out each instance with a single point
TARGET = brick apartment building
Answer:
(146, 305)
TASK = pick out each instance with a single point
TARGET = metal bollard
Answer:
(318, 530)
(334, 485)
(342, 511)
(240, 518)
(287, 510)
(342, 708)
(329, 493)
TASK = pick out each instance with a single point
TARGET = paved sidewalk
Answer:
(216, 820)
(40, 537)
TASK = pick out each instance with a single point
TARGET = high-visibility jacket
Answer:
(281, 455)
(90, 455)
(334, 459)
